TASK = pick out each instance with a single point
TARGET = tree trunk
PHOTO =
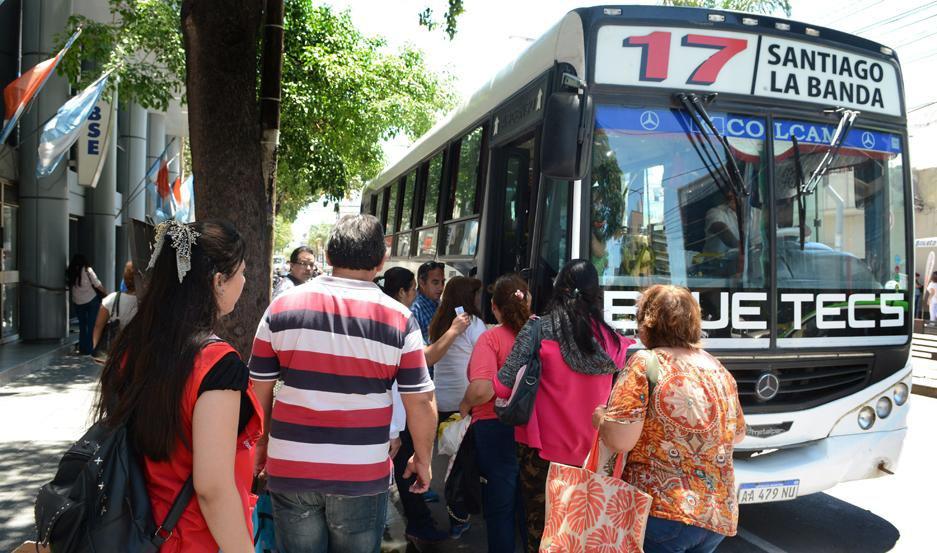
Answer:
(220, 40)
(270, 88)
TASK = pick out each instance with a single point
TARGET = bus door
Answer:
(516, 177)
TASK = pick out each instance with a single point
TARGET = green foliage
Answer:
(282, 235)
(343, 94)
(318, 235)
(142, 45)
(455, 9)
(766, 7)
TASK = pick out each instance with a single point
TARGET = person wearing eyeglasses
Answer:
(430, 279)
(302, 268)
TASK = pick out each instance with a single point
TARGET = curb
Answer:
(923, 390)
(11, 373)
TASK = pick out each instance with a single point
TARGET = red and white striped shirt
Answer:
(339, 345)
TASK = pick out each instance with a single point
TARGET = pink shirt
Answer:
(560, 426)
(490, 353)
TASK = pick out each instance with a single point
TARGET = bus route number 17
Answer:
(655, 55)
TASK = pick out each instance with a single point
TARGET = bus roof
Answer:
(565, 43)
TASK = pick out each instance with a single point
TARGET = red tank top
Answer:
(165, 478)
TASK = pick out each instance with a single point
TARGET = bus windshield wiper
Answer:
(801, 200)
(846, 119)
(728, 169)
(726, 174)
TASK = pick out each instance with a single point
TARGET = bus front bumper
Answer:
(822, 464)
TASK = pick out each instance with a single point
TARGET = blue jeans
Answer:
(501, 501)
(669, 536)
(313, 522)
(87, 315)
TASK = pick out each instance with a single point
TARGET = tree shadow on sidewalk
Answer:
(25, 467)
(60, 375)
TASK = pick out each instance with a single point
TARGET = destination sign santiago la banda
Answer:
(745, 63)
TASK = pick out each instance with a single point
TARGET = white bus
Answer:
(759, 162)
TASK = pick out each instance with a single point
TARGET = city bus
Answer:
(759, 162)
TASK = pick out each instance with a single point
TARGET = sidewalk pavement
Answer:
(46, 410)
(43, 413)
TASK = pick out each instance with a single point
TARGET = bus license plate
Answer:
(764, 492)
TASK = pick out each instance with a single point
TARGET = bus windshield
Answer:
(659, 214)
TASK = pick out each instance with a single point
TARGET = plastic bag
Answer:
(450, 434)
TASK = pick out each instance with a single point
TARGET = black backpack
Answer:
(98, 500)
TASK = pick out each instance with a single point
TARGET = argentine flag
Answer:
(62, 130)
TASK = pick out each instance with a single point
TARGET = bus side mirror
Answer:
(560, 144)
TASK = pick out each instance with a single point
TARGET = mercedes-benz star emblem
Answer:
(767, 386)
(868, 139)
(650, 121)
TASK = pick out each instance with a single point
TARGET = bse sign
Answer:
(93, 143)
(747, 64)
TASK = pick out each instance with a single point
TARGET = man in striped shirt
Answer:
(339, 343)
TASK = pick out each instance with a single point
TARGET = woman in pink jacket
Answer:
(579, 353)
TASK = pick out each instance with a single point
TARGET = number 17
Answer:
(655, 55)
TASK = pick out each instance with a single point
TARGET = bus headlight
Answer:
(883, 407)
(900, 394)
(866, 417)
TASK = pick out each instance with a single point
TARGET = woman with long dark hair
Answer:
(579, 353)
(450, 371)
(494, 441)
(86, 292)
(183, 393)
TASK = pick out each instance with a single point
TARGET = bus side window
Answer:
(426, 205)
(462, 235)
(382, 208)
(408, 187)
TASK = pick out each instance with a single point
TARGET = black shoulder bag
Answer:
(516, 409)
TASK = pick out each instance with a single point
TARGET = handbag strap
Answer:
(600, 450)
(536, 337)
(652, 369)
(164, 532)
(116, 314)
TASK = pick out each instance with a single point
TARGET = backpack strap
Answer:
(652, 369)
(164, 532)
(116, 314)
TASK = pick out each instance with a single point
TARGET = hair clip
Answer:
(519, 295)
(183, 238)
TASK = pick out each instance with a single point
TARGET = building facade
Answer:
(45, 221)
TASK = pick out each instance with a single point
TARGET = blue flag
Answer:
(63, 129)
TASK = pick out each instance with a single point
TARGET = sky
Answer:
(491, 33)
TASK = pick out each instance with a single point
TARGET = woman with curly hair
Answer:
(676, 413)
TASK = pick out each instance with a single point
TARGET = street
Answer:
(48, 409)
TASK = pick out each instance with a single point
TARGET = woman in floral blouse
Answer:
(676, 412)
